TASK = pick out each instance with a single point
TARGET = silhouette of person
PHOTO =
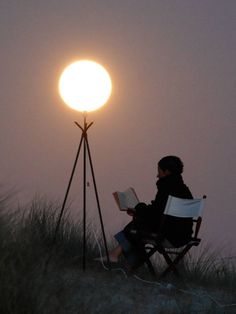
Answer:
(147, 218)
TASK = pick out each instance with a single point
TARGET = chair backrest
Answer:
(184, 208)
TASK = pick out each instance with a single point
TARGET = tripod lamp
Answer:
(84, 86)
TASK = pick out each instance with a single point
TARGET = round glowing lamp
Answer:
(85, 85)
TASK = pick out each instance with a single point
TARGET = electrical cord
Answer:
(166, 286)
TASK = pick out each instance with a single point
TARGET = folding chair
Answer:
(182, 208)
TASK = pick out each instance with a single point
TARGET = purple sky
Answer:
(172, 65)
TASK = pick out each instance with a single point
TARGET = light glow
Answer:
(85, 85)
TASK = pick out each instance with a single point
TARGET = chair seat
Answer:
(153, 239)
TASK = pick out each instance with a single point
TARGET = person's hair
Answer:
(171, 163)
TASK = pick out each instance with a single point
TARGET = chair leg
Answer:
(171, 266)
(168, 270)
(151, 268)
(146, 259)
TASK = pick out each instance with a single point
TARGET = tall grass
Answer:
(27, 243)
(41, 273)
(210, 267)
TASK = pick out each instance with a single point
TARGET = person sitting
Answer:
(147, 218)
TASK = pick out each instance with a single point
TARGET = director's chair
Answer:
(152, 243)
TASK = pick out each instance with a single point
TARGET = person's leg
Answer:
(115, 253)
(123, 247)
(126, 248)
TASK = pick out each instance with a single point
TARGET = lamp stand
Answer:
(86, 153)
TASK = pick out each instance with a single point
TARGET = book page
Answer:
(131, 199)
(121, 200)
(126, 199)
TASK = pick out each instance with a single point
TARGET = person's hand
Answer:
(131, 211)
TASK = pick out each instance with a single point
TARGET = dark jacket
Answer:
(149, 217)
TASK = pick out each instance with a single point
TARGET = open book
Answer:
(127, 199)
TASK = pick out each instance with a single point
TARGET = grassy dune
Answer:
(41, 274)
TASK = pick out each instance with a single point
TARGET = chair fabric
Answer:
(184, 208)
(151, 244)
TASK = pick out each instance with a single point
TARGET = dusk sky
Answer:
(173, 69)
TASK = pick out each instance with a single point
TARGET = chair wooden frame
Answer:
(173, 255)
